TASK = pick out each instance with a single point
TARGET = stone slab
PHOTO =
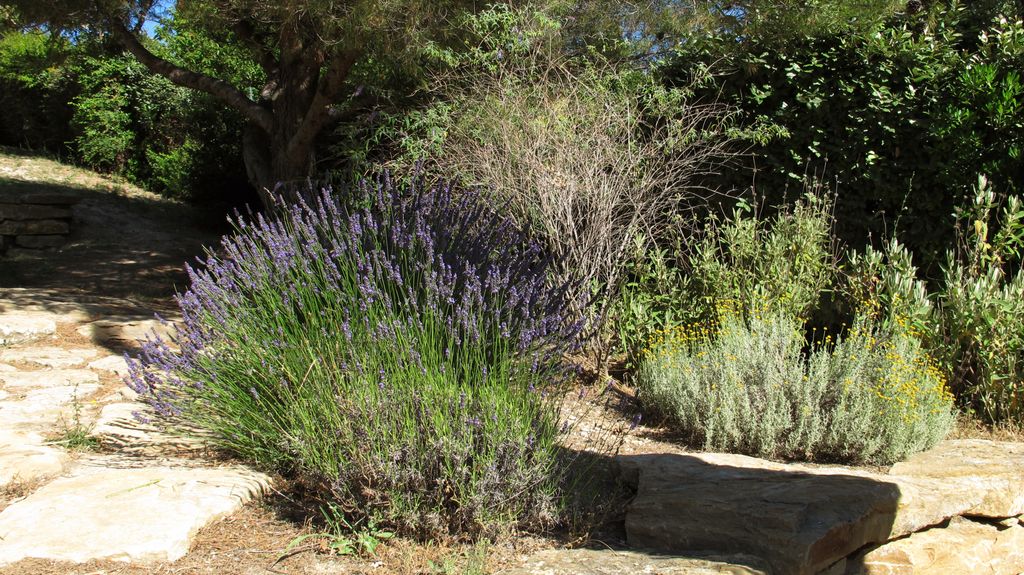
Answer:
(142, 515)
(57, 306)
(55, 357)
(985, 475)
(616, 562)
(125, 331)
(25, 254)
(33, 227)
(24, 458)
(963, 546)
(47, 378)
(117, 427)
(33, 211)
(114, 363)
(802, 518)
(24, 327)
(41, 408)
(798, 520)
(44, 197)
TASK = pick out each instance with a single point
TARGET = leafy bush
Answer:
(106, 130)
(982, 308)
(744, 385)
(901, 114)
(656, 296)
(102, 108)
(403, 358)
(785, 263)
(173, 171)
(887, 282)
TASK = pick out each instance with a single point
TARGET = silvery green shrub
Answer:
(745, 385)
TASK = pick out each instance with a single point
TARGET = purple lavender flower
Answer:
(635, 422)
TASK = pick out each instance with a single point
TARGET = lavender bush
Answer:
(401, 358)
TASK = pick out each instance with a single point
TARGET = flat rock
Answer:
(117, 427)
(987, 477)
(799, 520)
(114, 363)
(125, 331)
(59, 307)
(963, 546)
(41, 408)
(41, 242)
(27, 326)
(47, 378)
(49, 197)
(49, 356)
(803, 518)
(33, 227)
(4, 367)
(10, 211)
(24, 458)
(141, 515)
(612, 562)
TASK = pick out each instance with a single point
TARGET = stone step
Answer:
(121, 427)
(24, 458)
(47, 378)
(962, 546)
(34, 409)
(806, 519)
(125, 331)
(617, 562)
(144, 515)
(53, 357)
(112, 363)
(22, 327)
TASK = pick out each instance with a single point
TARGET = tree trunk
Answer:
(304, 81)
(256, 156)
(273, 169)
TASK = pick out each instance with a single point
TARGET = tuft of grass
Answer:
(76, 435)
(471, 562)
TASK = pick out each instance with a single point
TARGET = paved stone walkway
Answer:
(142, 495)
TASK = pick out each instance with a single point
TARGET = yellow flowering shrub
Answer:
(746, 384)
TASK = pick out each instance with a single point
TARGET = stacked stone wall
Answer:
(35, 221)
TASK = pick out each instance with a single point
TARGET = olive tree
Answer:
(313, 54)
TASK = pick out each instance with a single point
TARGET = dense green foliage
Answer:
(783, 263)
(971, 319)
(105, 111)
(35, 91)
(899, 118)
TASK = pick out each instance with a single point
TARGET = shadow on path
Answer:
(124, 257)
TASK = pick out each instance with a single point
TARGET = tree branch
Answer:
(219, 89)
(328, 90)
(144, 7)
